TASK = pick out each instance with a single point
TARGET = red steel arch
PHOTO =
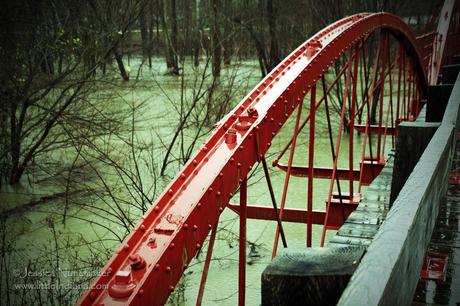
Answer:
(151, 260)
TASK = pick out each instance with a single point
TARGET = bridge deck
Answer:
(445, 241)
(362, 224)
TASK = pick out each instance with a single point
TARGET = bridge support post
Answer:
(412, 139)
(311, 276)
(438, 96)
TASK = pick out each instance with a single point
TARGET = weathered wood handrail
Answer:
(389, 271)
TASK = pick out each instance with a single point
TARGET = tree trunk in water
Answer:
(124, 74)
(15, 147)
(144, 31)
(216, 44)
(274, 48)
(196, 33)
(170, 39)
(150, 33)
(227, 40)
(174, 47)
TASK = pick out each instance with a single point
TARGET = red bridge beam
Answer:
(370, 170)
(152, 259)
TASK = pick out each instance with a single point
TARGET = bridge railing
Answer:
(389, 271)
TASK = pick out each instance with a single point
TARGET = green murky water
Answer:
(31, 233)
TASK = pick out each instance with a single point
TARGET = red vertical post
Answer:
(206, 264)
(404, 104)
(390, 103)
(337, 151)
(352, 121)
(242, 259)
(288, 175)
(409, 93)
(311, 151)
(414, 95)
(398, 101)
(382, 89)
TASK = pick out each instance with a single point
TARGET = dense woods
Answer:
(53, 52)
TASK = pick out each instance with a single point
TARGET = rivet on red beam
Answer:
(195, 228)
(198, 205)
(171, 246)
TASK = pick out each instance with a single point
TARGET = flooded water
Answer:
(38, 237)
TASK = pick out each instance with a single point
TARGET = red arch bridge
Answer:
(376, 68)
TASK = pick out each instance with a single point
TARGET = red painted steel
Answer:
(175, 227)
(311, 151)
(434, 266)
(294, 215)
(242, 246)
(373, 129)
(207, 262)
(364, 172)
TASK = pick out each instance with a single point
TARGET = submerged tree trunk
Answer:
(196, 33)
(144, 32)
(215, 43)
(118, 57)
(170, 37)
(275, 56)
(227, 39)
